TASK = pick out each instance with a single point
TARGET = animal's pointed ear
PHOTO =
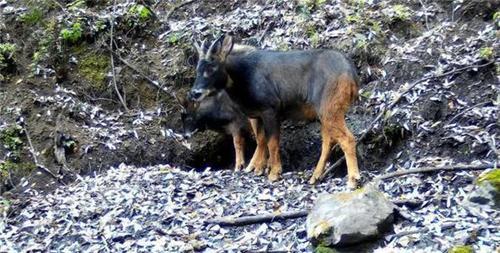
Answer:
(221, 48)
(215, 49)
(227, 47)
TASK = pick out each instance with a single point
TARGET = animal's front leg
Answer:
(258, 161)
(272, 129)
(239, 151)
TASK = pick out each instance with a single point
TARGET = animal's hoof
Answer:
(237, 168)
(352, 184)
(249, 168)
(273, 177)
(259, 172)
(313, 180)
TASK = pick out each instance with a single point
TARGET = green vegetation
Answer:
(100, 25)
(141, 12)
(94, 68)
(22, 168)
(307, 6)
(496, 18)
(72, 34)
(314, 39)
(486, 53)
(324, 249)
(492, 177)
(313, 35)
(76, 4)
(398, 12)
(46, 41)
(461, 249)
(402, 12)
(7, 51)
(174, 38)
(11, 138)
(32, 16)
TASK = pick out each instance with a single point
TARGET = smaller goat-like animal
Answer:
(216, 113)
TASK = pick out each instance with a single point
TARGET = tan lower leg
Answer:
(258, 161)
(326, 147)
(274, 158)
(239, 146)
(348, 146)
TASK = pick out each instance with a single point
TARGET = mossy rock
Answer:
(487, 190)
(324, 249)
(461, 249)
(492, 177)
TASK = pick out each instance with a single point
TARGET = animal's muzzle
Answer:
(198, 94)
(195, 94)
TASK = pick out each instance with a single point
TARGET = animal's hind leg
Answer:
(344, 137)
(333, 108)
(326, 146)
(258, 161)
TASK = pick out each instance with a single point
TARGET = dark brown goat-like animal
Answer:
(270, 86)
(217, 113)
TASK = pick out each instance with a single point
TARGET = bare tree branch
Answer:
(112, 59)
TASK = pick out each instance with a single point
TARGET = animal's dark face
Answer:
(189, 116)
(211, 75)
(189, 123)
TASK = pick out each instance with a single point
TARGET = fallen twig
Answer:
(112, 59)
(418, 231)
(393, 103)
(466, 110)
(433, 169)
(246, 220)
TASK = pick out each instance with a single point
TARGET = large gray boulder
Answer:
(349, 217)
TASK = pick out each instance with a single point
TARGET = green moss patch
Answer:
(486, 53)
(324, 249)
(94, 67)
(20, 169)
(492, 177)
(461, 249)
(32, 17)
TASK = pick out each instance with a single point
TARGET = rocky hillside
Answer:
(88, 84)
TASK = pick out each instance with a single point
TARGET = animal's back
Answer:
(289, 79)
